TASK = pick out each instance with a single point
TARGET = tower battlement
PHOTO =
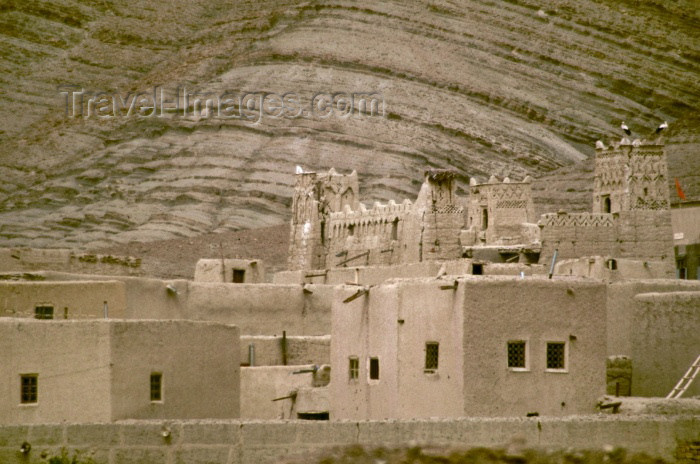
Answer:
(630, 175)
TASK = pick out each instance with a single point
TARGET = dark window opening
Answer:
(238, 276)
(395, 229)
(156, 386)
(29, 384)
(374, 368)
(354, 368)
(65, 313)
(646, 191)
(516, 354)
(682, 268)
(484, 219)
(432, 351)
(556, 355)
(323, 232)
(313, 415)
(351, 230)
(43, 312)
(477, 269)
(607, 206)
(612, 264)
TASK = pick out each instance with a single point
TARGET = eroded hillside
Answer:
(482, 87)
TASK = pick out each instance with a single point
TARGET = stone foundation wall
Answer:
(262, 442)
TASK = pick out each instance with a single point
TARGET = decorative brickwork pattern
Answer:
(329, 230)
(631, 215)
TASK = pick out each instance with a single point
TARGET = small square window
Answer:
(238, 276)
(156, 386)
(516, 354)
(29, 386)
(43, 312)
(432, 351)
(556, 355)
(374, 368)
(354, 368)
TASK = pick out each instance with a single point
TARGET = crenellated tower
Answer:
(432, 232)
(630, 176)
(316, 196)
(497, 210)
(631, 215)
(631, 182)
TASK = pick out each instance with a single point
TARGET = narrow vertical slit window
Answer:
(432, 352)
(374, 368)
(354, 368)
(156, 386)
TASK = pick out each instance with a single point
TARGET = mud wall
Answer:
(244, 442)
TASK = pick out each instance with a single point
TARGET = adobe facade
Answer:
(237, 271)
(685, 217)
(109, 370)
(470, 346)
(87, 299)
(666, 342)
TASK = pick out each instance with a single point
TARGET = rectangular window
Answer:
(354, 369)
(374, 368)
(29, 386)
(432, 351)
(556, 355)
(43, 312)
(516, 354)
(156, 386)
(238, 276)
